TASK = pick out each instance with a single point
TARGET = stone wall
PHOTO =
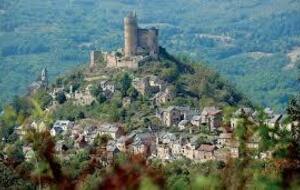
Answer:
(95, 57)
(111, 60)
(134, 62)
(148, 40)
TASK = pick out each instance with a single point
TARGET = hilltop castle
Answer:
(139, 40)
(140, 45)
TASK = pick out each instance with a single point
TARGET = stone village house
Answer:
(143, 143)
(224, 139)
(174, 114)
(108, 88)
(212, 117)
(61, 127)
(113, 130)
(149, 85)
(164, 96)
(205, 152)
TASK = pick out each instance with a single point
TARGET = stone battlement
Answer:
(139, 40)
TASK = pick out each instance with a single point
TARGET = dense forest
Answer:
(253, 43)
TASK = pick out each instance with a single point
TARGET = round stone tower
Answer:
(130, 35)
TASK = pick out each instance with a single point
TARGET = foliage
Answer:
(76, 164)
(101, 98)
(247, 41)
(14, 152)
(91, 182)
(7, 122)
(101, 140)
(228, 113)
(60, 97)
(294, 108)
(11, 181)
(124, 83)
(133, 93)
(169, 74)
(134, 174)
(204, 182)
(69, 111)
(43, 98)
(95, 90)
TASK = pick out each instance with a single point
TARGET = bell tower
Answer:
(44, 78)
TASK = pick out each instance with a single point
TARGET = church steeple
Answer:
(44, 78)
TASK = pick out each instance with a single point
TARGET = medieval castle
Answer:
(140, 45)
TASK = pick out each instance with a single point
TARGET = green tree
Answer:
(294, 108)
(101, 98)
(228, 112)
(14, 152)
(61, 97)
(9, 180)
(96, 90)
(170, 74)
(7, 122)
(206, 183)
(101, 140)
(43, 98)
(124, 83)
(70, 112)
(132, 92)
(22, 105)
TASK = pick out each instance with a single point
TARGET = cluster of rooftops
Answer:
(217, 144)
